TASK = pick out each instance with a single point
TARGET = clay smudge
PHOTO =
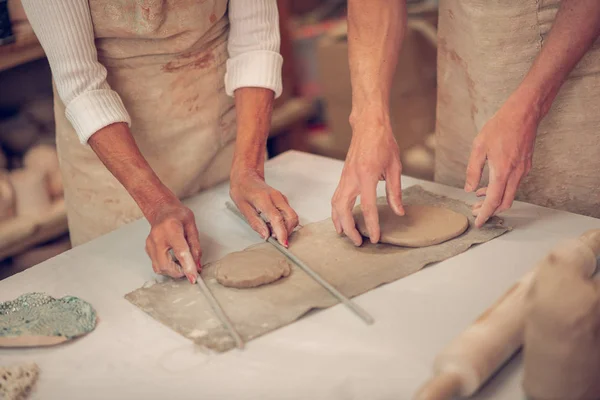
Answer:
(202, 62)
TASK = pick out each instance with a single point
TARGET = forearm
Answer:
(576, 27)
(375, 32)
(115, 147)
(253, 78)
(254, 107)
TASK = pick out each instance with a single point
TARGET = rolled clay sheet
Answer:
(349, 269)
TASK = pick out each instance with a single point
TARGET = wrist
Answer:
(151, 195)
(373, 116)
(249, 158)
(242, 170)
(536, 96)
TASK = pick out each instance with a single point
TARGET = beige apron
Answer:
(485, 49)
(166, 59)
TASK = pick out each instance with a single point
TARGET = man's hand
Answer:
(375, 31)
(506, 142)
(174, 228)
(253, 197)
(373, 156)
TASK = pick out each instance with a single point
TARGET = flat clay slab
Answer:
(420, 226)
(352, 270)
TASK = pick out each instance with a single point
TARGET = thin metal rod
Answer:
(216, 308)
(355, 308)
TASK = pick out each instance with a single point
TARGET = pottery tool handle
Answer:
(216, 308)
(485, 346)
(356, 309)
(472, 357)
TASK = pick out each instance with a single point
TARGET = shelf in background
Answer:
(26, 48)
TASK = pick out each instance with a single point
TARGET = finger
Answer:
(481, 192)
(289, 215)
(182, 252)
(349, 225)
(342, 211)
(368, 205)
(276, 220)
(393, 188)
(254, 220)
(337, 223)
(193, 240)
(476, 207)
(475, 166)
(166, 264)
(493, 197)
(151, 251)
(511, 190)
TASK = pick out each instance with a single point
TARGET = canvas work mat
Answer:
(351, 270)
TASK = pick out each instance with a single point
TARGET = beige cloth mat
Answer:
(351, 270)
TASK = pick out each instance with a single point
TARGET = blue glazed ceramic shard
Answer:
(35, 319)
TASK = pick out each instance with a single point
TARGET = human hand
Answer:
(373, 156)
(253, 196)
(173, 228)
(506, 142)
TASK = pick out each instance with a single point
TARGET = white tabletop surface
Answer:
(327, 355)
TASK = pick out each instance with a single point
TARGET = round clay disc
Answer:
(420, 226)
(251, 268)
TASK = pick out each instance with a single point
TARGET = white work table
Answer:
(327, 355)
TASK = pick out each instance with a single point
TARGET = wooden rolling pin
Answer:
(485, 346)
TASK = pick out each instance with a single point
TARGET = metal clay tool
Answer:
(346, 301)
(216, 308)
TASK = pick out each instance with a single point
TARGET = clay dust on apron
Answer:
(166, 59)
(485, 49)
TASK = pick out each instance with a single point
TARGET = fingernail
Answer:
(468, 188)
(286, 243)
(191, 279)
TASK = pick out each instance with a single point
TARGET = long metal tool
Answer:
(216, 308)
(356, 309)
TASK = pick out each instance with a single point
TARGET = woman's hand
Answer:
(506, 142)
(173, 228)
(173, 225)
(253, 197)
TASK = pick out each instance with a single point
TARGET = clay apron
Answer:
(166, 59)
(485, 49)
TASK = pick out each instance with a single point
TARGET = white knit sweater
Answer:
(64, 28)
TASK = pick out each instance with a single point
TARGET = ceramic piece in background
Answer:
(37, 319)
